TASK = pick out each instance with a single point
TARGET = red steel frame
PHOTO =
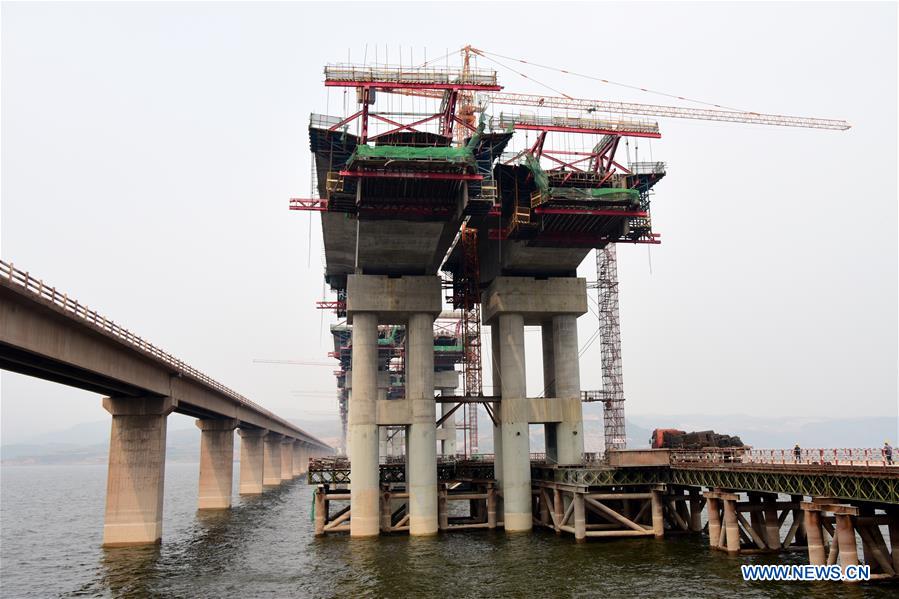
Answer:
(447, 116)
(586, 130)
(312, 204)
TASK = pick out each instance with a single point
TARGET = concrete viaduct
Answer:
(45, 334)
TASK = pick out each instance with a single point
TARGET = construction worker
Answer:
(797, 453)
(887, 452)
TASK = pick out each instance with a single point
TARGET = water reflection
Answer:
(130, 571)
(264, 546)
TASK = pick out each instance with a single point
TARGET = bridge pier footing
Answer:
(216, 463)
(136, 473)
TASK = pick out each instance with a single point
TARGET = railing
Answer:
(334, 182)
(647, 168)
(505, 120)
(361, 73)
(521, 216)
(324, 121)
(810, 457)
(707, 456)
(850, 456)
(91, 317)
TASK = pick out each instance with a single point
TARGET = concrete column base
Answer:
(252, 460)
(216, 463)
(134, 487)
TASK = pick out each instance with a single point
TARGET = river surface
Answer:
(51, 521)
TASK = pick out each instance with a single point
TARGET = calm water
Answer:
(52, 519)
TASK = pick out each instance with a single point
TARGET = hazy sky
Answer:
(148, 152)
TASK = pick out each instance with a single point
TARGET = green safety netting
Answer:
(540, 178)
(608, 194)
(462, 155)
(476, 138)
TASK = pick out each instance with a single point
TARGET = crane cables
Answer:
(484, 53)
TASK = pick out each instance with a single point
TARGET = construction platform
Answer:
(654, 493)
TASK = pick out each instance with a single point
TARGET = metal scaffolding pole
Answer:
(610, 339)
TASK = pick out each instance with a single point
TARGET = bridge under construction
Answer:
(432, 197)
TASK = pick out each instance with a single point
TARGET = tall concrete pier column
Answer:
(286, 459)
(363, 427)
(299, 463)
(496, 352)
(549, 390)
(383, 433)
(422, 455)
(271, 467)
(252, 460)
(216, 463)
(134, 486)
(448, 428)
(567, 385)
(515, 410)
(447, 381)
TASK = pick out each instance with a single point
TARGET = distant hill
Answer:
(88, 443)
(782, 433)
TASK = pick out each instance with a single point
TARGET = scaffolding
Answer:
(579, 125)
(471, 336)
(427, 77)
(610, 339)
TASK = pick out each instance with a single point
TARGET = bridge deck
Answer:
(46, 334)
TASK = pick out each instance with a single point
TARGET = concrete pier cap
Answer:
(393, 299)
(536, 300)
